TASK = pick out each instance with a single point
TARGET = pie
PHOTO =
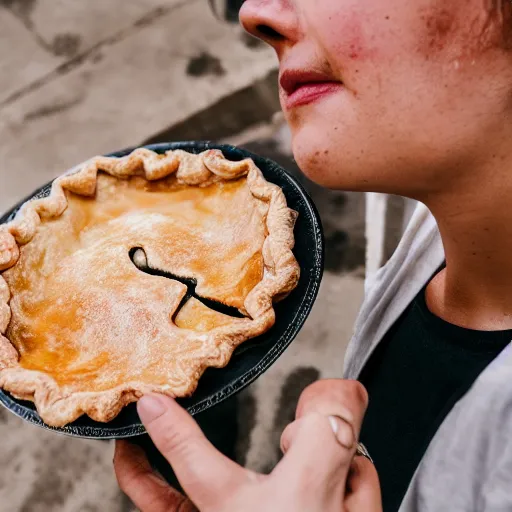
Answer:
(135, 275)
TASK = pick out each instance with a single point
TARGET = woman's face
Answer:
(393, 96)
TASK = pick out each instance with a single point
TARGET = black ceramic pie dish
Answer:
(254, 356)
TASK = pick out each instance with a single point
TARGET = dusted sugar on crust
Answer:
(83, 330)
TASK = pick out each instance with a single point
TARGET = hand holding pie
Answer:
(135, 275)
(318, 473)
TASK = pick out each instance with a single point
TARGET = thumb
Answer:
(206, 475)
(319, 450)
(323, 437)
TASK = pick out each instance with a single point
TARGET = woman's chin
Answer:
(341, 162)
(326, 167)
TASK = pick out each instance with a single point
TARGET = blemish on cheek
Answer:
(351, 39)
(464, 30)
(439, 26)
(355, 51)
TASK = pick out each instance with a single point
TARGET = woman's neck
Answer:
(475, 288)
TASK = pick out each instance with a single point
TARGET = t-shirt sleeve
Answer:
(468, 464)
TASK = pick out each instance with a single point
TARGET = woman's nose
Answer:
(273, 21)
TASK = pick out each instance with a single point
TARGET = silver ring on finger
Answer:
(363, 452)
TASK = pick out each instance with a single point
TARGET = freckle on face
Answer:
(460, 28)
(440, 25)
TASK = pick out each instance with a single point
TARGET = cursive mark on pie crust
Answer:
(138, 258)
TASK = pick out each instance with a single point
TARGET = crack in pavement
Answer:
(48, 110)
(79, 59)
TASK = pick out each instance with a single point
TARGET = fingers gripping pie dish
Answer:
(135, 275)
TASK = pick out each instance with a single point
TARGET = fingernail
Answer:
(344, 435)
(150, 407)
(334, 424)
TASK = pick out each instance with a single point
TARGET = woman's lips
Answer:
(309, 92)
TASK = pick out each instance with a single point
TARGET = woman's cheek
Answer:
(359, 31)
(347, 41)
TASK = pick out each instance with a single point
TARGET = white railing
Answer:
(375, 228)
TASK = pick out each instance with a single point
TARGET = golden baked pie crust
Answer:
(65, 269)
